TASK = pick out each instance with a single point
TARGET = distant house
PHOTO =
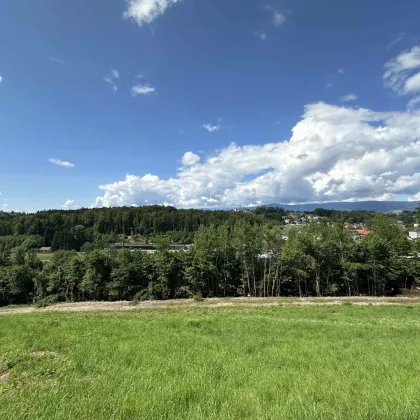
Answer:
(362, 232)
(348, 225)
(45, 249)
(414, 234)
(285, 235)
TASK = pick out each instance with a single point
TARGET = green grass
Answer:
(45, 257)
(325, 362)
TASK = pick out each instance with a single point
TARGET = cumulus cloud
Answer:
(211, 128)
(69, 205)
(335, 153)
(112, 78)
(146, 11)
(142, 90)
(402, 74)
(190, 159)
(59, 162)
(1, 78)
(349, 98)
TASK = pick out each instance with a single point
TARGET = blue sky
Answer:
(193, 102)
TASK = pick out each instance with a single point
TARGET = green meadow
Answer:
(199, 362)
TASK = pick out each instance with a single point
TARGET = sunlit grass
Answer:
(345, 362)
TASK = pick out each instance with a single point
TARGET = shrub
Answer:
(198, 297)
(47, 301)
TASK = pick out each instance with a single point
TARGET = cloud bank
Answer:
(335, 153)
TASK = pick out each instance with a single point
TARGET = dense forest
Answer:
(71, 229)
(233, 254)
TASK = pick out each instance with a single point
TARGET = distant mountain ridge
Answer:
(379, 206)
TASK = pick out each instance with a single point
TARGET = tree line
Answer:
(243, 258)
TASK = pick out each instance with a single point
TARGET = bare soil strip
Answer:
(214, 302)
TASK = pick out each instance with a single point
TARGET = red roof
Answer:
(362, 232)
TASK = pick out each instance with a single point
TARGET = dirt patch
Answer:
(44, 353)
(4, 376)
(214, 302)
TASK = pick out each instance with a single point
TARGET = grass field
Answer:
(200, 362)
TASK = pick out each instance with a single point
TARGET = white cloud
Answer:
(69, 205)
(329, 85)
(349, 98)
(145, 11)
(1, 78)
(211, 128)
(412, 105)
(59, 162)
(402, 73)
(412, 84)
(334, 153)
(278, 18)
(56, 60)
(340, 71)
(190, 159)
(395, 41)
(142, 90)
(262, 35)
(112, 78)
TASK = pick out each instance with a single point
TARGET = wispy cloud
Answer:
(146, 11)
(211, 128)
(395, 41)
(402, 74)
(349, 98)
(278, 18)
(332, 78)
(1, 78)
(142, 90)
(262, 35)
(413, 104)
(63, 163)
(56, 60)
(112, 78)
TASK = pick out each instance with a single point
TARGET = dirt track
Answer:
(217, 302)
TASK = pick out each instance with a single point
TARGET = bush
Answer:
(198, 297)
(141, 296)
(47, 301)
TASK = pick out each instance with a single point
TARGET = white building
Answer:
(414, 234)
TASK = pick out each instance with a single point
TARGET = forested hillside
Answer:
(66, 230)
